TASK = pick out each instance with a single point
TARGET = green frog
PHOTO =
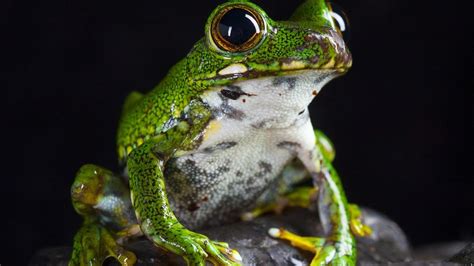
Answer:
(226, 134)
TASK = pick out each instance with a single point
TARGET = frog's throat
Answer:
(321, 77)
(273, 102)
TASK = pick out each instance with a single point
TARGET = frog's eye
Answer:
(340, 19)
(237, 29)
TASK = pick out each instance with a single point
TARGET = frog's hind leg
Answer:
(93, 244)
(341, 221)
(103, 200)
(298, 197)
(288, 191)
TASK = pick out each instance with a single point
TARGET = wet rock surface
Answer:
(465, 256)
(388, 244)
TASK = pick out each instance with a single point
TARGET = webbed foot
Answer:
(195, 248)
(93, 244)
(298, 197)
(326, 252)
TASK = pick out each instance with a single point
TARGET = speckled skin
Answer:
(211, 141)
(234, 157)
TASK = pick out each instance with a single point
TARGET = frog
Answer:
(225, 135)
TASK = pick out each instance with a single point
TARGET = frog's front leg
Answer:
(102, 199)
(150, 201)
(338, 247)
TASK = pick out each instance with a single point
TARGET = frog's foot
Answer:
(195, 248)
(132, 231)
(326, 251)
(93, 244)
(358, 228)
(298, 197)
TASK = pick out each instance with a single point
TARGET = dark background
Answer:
(401, 119)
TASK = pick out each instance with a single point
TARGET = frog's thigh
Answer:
(338, 247)
(98, 193)
(101, 199)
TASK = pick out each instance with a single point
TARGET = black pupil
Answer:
(238, 26)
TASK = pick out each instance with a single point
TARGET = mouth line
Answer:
(255, 74)
(231, 89)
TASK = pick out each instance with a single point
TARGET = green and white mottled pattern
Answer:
(212, 139)
(262, 116)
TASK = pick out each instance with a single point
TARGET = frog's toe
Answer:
(123, 256)
(309, 243)
(357, 225)
(196, 248)
(325, 251)
(221, 254)
(298, 197)
(260, 210)
(93, 244)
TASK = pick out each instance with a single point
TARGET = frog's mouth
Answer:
(319, 78)
(240, 71)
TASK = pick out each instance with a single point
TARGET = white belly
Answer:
(243, 151)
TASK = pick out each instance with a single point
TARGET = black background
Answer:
(401, 119)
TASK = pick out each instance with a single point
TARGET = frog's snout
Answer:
(333, 54)
(323, 40)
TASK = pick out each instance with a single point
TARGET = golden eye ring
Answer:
(237, 28)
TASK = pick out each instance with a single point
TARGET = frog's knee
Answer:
(358, 227)
(325, 145)
(88, 187)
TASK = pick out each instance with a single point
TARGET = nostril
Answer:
(302, 112)
(311, 37)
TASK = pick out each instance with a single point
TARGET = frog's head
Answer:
(282, 60)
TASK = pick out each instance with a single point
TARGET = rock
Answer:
(387, 244)
(437, 252)
(51, 256)
(465, 256)
(442, 254)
